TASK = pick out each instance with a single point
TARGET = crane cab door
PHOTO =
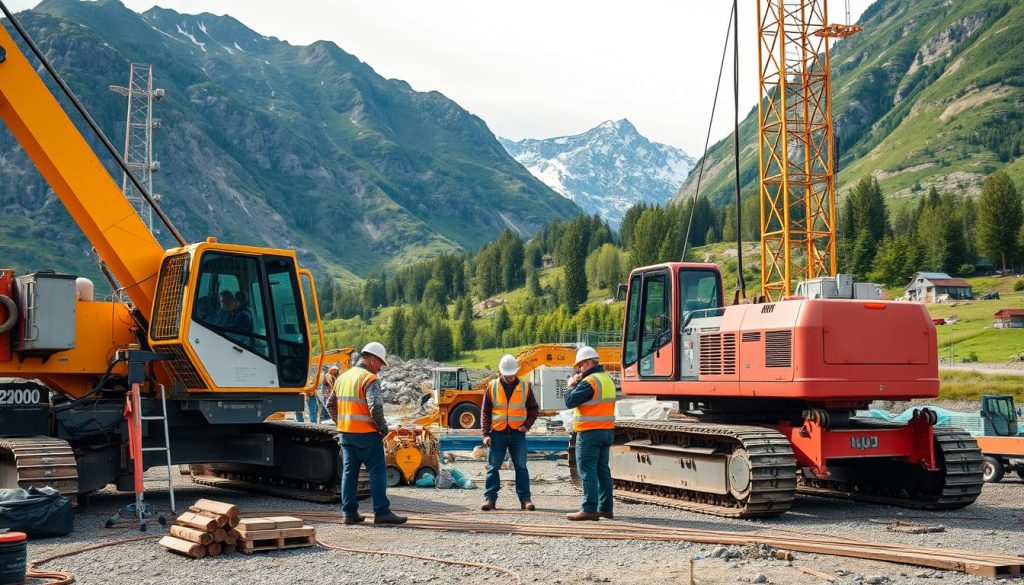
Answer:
(234, 320)
(649, 339)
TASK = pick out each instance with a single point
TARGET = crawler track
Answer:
(956, 484)
(28, 461)
(275, 480)
(773, 478)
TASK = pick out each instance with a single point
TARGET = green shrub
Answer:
(1018, 286)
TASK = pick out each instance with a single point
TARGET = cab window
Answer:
(289, 319)
(229, 300)
(629, 349)
(699, 290)
(656, 325)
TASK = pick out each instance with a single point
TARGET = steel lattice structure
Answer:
(138, 139)
(797, 187)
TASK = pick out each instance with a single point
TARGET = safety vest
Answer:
(599, 411)
(507, 412)
(353, 411)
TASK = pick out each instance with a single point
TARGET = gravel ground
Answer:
(993, 524)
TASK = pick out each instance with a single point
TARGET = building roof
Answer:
(959, 282)
(932, 275)
(1010, 313)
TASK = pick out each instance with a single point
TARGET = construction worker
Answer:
(358, 407)
(316, 397)
(508, 411)
(592, 395)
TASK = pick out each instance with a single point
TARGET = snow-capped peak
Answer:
(606, 169)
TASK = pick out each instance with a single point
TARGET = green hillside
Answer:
(928, 94)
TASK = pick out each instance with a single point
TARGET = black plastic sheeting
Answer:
(40, 512)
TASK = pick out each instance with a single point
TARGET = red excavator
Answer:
(770, 390)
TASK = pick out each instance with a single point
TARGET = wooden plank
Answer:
(285, 533)
(191, 549)
(255, 524)
(223, 508)
(219, 535)
(192, 535)
(196, 521)
(285, 521)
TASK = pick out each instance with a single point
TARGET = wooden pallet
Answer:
(279, 543)
(273, 533)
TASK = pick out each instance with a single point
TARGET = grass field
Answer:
(957, 385)
(480, 359)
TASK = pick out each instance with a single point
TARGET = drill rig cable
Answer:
(707, 140)
(92, 123)
(741, 284)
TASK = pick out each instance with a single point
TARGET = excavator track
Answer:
(956, 484)
(766, 468)
(29, 461)
(255, 479)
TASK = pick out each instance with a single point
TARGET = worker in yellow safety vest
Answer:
(357, 405)
(507, 412)
(592, 395)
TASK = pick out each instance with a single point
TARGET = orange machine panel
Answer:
(1007, 446)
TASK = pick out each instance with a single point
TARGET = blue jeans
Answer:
(592, 463)
(358, 449)
(312, 402)
(515, 444)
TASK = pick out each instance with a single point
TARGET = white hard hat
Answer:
(509, 365)
(585, 353)
(376, 349)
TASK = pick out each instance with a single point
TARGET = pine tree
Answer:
(394, 340)
(534, 284)
(502, 321)
(467, 334)
(1000, 217)
(573, 257)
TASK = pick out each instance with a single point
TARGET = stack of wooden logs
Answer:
(207, 529)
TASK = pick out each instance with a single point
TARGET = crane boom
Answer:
(77, 176)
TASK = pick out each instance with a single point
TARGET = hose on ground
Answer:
(65, 578)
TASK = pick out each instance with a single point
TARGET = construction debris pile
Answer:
(404, 382)
(211, 528)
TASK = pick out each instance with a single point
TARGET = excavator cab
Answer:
(999, 415)
(661, 301)
(234, 317)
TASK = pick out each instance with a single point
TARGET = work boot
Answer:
(488, 505)
(607, 515)
(389, 518)
(354, 519)
(528, 505)
(583, 515)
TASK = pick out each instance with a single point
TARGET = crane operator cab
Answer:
(234, 317)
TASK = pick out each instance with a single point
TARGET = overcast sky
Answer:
(535, 68)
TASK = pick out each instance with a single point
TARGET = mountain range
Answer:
(606, 169)
(930, 93)
(267, 143)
